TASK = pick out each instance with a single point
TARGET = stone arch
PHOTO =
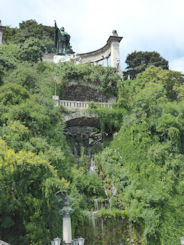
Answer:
(81, 118)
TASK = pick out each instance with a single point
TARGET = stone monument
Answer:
(2, 30)
(62, 44)
(111, 49)
(65, 53)
(115, 56)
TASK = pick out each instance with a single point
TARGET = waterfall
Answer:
(102, 228)
(96, 204)
(110, 203)
(75, 150)
(85, 142)
(92, 219)
(92, 166)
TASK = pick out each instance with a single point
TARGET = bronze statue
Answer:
(62, 41)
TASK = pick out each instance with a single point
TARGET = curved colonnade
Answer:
(111, 49)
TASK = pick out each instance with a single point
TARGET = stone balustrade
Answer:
(82, 105)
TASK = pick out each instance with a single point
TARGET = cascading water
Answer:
(110, 204)
(92, 166)
(97, 229)
(96, 204)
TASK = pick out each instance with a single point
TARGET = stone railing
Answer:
(81, 105)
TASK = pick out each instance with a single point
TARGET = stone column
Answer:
(106, 61)
(113, 43)
(2, 29)
(115, 56)
(1, 37)
(67, 228)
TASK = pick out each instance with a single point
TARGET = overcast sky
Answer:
(146, 25)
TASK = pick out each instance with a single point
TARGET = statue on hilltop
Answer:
(62, 41)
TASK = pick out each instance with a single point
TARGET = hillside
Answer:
(125, 177)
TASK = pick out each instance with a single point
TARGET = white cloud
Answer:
(145, 24)
(177, 64)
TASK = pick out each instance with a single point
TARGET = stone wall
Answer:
(82, 93)
(48, 57)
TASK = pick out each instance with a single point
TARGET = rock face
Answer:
(82, 93)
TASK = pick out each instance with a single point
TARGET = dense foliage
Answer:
(105, 79)
(137, 62)
(145, 160)
(31, 29)
(31, 129)
(35, 161)
(138, 182)
(27, 184)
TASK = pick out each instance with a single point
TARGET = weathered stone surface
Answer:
(85, 120)
(48, 57)
(67, 229)
(61, 58)
(2, 30)
(3, 243)
(111, 48)
(85, 137)
(82, 93)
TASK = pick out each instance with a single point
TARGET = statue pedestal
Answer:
(67, 229)
(61, 58)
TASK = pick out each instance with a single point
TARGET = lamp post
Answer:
(75, 242)
(56, 241)
(81, 241)
(182, 240)
(55, 85)
(55, 97)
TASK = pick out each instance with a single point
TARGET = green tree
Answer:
(28, 29)
(12, 94)
(144, 160)
(28, 209)
(9, 58)
(25, 75)
(105, 78)
(32, 50)
(137, 62)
